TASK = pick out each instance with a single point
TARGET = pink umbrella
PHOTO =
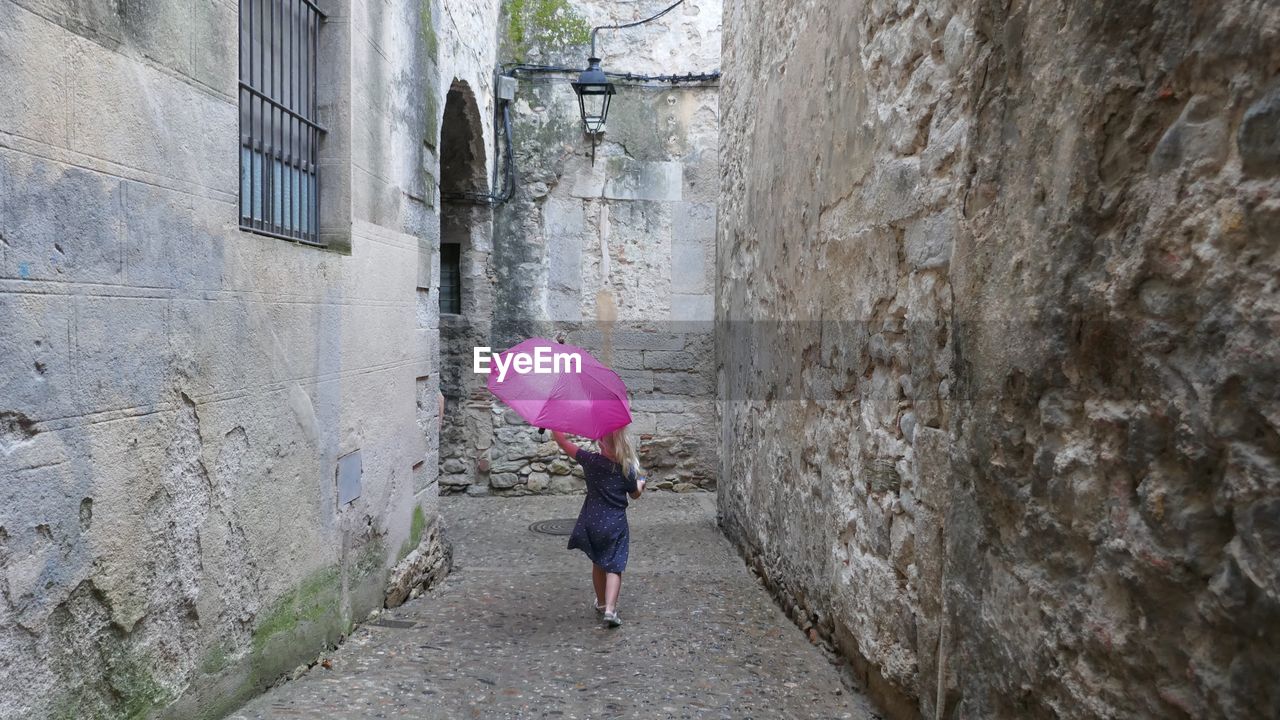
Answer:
(561, 387)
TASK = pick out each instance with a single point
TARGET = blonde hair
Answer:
(623, 453)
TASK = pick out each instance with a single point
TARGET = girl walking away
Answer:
(612, 474)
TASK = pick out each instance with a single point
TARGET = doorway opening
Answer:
(466, 290)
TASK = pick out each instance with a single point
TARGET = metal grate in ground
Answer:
(559, 526)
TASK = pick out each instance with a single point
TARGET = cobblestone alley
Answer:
(511, 633)
(944, 334)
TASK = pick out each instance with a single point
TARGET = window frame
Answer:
(278, 133)
(455, 285)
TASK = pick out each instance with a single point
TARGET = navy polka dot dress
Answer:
(602, 531)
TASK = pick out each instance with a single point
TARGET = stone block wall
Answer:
(176, 395)
(997, 352)
(615, 256)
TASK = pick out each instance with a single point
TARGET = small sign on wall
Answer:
(349, 471)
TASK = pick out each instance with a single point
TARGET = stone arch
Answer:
(462, 156)
(465, 218)
(466, 289)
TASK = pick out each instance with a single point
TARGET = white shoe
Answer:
(599, 608)
(612, 620)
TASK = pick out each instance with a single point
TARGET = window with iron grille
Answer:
(279, 175)
(451, 278)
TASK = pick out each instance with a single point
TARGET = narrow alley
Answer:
(930, 349)
(511, 633)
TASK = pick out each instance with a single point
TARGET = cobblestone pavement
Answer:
(511, 632)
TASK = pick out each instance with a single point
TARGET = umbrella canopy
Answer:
(561, 387)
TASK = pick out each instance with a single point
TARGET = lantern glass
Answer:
(595, 110)
(594, 92)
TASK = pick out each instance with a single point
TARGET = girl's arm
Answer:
(565, 445)
(640, 483)
(639, 490)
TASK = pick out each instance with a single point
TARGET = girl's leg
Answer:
(613, 585)
(598, 580)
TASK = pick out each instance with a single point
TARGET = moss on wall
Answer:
(543, 24)
(427, 29)
(295, 629)
(310, 601)
(372, 559)
(139, 690)
(431, 120)
(298, 625)
(416, 525)
(217, 659)
(129, 681)
(431, 48)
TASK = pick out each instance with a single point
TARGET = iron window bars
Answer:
(279, 173)
(451, 278)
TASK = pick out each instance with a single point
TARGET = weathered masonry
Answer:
(233, 240)
(998, 350)
(615, 255)
(218, 373)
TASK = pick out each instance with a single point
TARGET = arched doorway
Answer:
(466, 295)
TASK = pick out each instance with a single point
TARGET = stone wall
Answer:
(998, 351)
(176, 394)
(615, 256)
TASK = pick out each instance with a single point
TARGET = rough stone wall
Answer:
(998, 350)
(616, 256)
(175, 394)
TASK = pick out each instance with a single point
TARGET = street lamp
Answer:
(594, 92)
(593, 87)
